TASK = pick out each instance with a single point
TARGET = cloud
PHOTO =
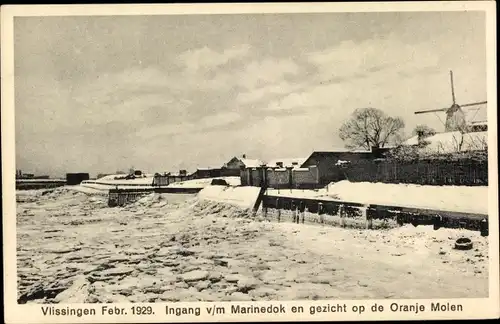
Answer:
(268, 71)
(370, 56)
(206, 58)
(209, 122)
(271, 90)
(219, 120)
(267, 78)
(133, 95)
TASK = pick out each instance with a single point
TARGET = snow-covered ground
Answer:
(72, 248)
(109, 182)
(144, 180)
(107, 186)
(90, 189)
(202, 183)
(244, 197)
(473, 199)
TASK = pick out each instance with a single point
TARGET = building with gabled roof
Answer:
(328, 162)
(237, 163)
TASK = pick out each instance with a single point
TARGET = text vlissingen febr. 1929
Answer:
(108, 310)
(172, 310)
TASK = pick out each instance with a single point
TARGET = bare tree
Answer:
(370, 127)
(457, 142)
(423, 131)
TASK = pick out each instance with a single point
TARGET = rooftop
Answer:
(251, 163)
(287, 162)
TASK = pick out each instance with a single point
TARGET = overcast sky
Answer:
(161, 93)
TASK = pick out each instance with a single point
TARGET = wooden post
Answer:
(250, 177)
(437, 222)
(320, 213)
(399, 219)
(302, 209)
(341, 214)
(303, 216)
(367, 217)
(278, 207)
(484, 227)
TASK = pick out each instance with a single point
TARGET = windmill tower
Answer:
(455, 116)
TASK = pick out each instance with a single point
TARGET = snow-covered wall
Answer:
(465, 199)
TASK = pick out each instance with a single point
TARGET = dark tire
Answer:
(463, 244)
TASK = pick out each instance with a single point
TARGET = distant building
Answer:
(329, 163)
(202, 173)
(76, 178)
(238, 163)
(168, 178)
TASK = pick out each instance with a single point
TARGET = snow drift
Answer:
(202, 183)
(243, 197)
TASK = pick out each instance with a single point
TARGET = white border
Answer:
(14, 313)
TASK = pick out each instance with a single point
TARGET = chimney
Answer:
(244, 156)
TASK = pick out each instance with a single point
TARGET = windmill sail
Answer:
(455, 116)
(475, 104)
(429, 111)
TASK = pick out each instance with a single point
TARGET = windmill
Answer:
(455, 116)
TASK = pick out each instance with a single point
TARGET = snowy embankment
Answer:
(109, 182)
(447, 198)
(242, 197)
(90, 189)
(117, 182)
(202, 183)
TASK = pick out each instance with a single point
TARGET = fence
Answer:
(119, 197)
(165, 180)
(424, 172)
(288, 178)
(33, 184)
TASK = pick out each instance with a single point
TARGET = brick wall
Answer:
(278, 178)
(305, 177)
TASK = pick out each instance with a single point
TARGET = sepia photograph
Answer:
(251, 157)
